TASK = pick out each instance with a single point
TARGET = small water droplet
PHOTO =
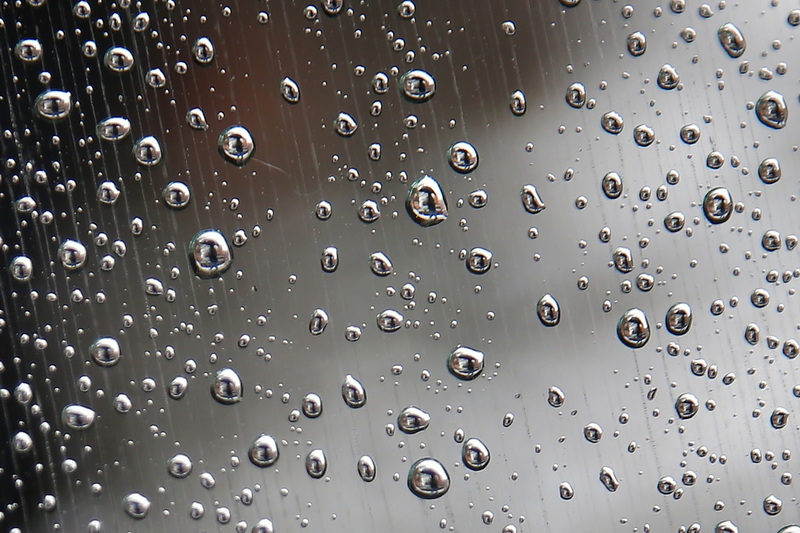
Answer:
(633, 329)
(264, 451)
(353, 392)
(426, 202)
(78, 417)
(227, 386)
(316, 463)
(718, 205)
(731, 39)
(418, 85)
(548, 311)
(413, 420)
(210, 254)
(136, 505)
(531, 200)
(771, 110)
(236, 145)
(475, 454)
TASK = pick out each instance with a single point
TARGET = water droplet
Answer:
(318, 322)
(772, 505)
(623, 259)
(369, 211)
(176, 195)
(555, 397)
(644, 135)
(227, 386)
(345, 125)
(312, 405)
(177, 387)
(769, 170)
(380, 264)
(576, 95)
(28, 50)
(263, 526)
(105, 351)
(674, 221)
(316, 463)
(668, 77)
(389, 321)
(679, 319)
(518, 103)
(236, 145)
(428, 479)
(330, 259)
(771, 110)
(22, 442)
(196, 119)
(566, 491)
(78, 417)
(353, 392)
(290, 90)
(637, 43)
(332, 7)
(203, 50)
(118, 59)
(687, 405)
(592, 432)
(731, 39)
(147, 151)
(531, 200)
(633, 329)
(612, 185)
(779, 418)
(612, 122)
(666, 485)
(136, 505)
(726, 527)
(264, 452)
(179, 466)
(609, 479)
(426, 202)
(465, 363)
(413, 420)
(210, 254)
(417, 85)
(113, 129)
(718, 205)
(53, 105)
(72, 255)
(463, 157)
(548, 311)
(366, 468)
(479, 260)
(21, 268)
(475, 454)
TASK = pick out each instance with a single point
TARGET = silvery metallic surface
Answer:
(559, 233)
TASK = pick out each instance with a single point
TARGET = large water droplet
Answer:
(428, 479)
(475, 454)
(668, 77)
(53, 105)
(330, 259)
(479, 260)
(465, 363)
(555, 397)
(531, 200)
(718, 205)
(389, 321)
(78, 417)
(345, 125)
(463, 157)
(612, 185)
(687, 405)
(21, 268)
(731, 39)
(771, 110)
(576, 95)
(772, 505)
(316, 463)
(380, 264)
(196, 119)
(592, 432)
(28, 50)
(290, 90)
(566, 491)
(623, 259)
(366, 468)
(637, 43)
(426, 202)
(147, 151)
(417, 85)
(203, 50)
(210, 254)
(179, 466)
(118, 59)
(518, 103)
(318, 322)
(227, 386)
(263, 526)
(72, 254)
(136, 505)
(779, 418)
(769, 170)
(609, 479)
(236, 145)
(548, 311)
(353, 392)
(726, 527)
(105, 351)
(612, 122)
(633, 329)
(177, 195)
(413, 420)
(264, 452)
(679, 319)
(113, 129)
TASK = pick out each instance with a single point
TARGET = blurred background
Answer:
(139, 365)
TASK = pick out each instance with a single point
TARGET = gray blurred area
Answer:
(255, 318)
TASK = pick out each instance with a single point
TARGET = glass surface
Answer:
(399, 266)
